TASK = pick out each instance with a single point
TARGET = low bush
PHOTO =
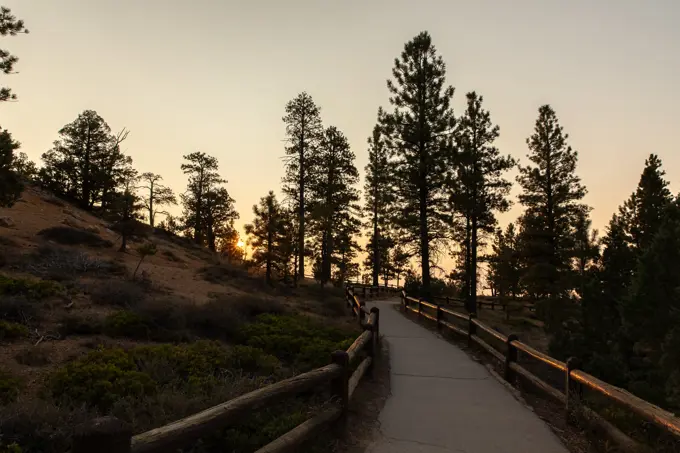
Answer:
(9, 387)
(10, 330)
(106, 376)
(52, 260)
(17, 309)
(40, 426)
(32, 289)
(127, 324)
(101, 378)
(169, 254)
(296, 340)
(33, 356)
(224, 273)
(214, 319)
(73, 236)
(118, 293)
(74, 324)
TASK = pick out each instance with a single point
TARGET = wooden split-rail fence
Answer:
(111, 435)
(575, 380)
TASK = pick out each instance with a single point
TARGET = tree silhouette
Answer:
(86, 163)
(9, 25)
(551, 195)
(303, 132)
(479, 189)
(268, 235)
(203, 178)
(332, 195)
(10, 182)
(126, 208)
(379, 199)
(420, 132)
(156, 196)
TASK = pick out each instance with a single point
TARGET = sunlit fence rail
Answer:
(515, 358)
(111, 435)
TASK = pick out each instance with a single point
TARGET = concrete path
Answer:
(443, 401)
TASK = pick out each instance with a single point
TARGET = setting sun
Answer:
(240, 244)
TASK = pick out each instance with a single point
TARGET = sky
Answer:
(215, 75)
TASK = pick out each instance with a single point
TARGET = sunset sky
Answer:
(214, 76)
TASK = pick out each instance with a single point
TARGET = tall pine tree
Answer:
(86, 163)
(551, 195)
(9, 25)
(333, 196)
(379, 198)
(303, 132)
(479, 188)
(269, 235)
(420, 132)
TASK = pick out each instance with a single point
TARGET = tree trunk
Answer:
(473, 267)
(151, 205)
(301, 202)
(376, 242)
(468, 265)
(268, 276)
(424, 243)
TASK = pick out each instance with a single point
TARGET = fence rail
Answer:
(111, 435)
(574, 378)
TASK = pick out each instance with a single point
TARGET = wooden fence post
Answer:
(439, 318)
(572, 389)
(510, 356)
(340, 385)
(364, 292)
(362, 313)
(420, 307)
(102, 435)
(403, 301)
(472, 329)
(447, 301)
(376, 331)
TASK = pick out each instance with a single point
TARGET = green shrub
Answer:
(101, 378)
(126, 323)
(32, 289)
(10, 330)
(9, 387)
(106, 376)
(295, 340)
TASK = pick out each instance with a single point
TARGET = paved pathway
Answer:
(443, 401)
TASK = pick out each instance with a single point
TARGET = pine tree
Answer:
(399, 259)
(9, 25)
(479, 189)
(332, 195)
(126, 208)
(303, 132)
(586, 250)
(86, 163)
(652, 312)
(203, 178)
(10, 182)
(420, 133)
(156, 195)
(219, 215)
(25, 168)
(379, 198)
(648, 204)
(347, 229)
(551, 195)
(268, 234)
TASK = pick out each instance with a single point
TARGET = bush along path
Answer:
(443, 401)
